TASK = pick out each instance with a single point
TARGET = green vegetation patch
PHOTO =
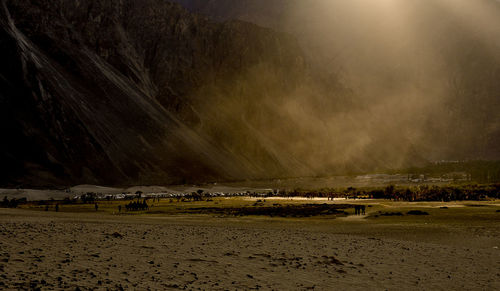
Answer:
(417, 212)
(390, 214)
(302, 210)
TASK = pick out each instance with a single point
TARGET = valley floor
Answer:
(65, 250)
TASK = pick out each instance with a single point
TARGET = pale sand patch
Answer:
(354, 218)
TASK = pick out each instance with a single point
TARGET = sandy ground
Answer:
(98, 251)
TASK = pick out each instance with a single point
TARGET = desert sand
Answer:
(83, 251)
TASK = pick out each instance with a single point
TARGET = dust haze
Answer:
(383, 84)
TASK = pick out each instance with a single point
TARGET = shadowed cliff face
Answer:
(134, 92)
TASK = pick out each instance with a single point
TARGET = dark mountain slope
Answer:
(115, 92)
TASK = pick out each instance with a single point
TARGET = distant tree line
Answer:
(439, 193)
(413, 193)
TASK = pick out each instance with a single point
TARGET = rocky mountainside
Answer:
(129, 92)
